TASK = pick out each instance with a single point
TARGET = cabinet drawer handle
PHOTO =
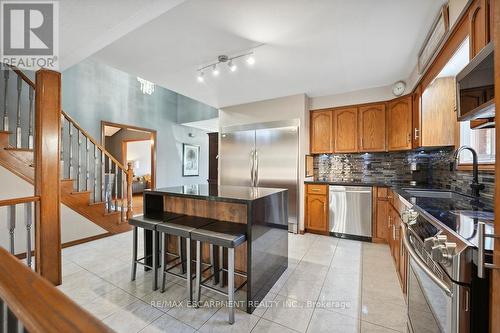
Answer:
(315, 189)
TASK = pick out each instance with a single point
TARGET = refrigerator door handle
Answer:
(252, 166)
(256, 169)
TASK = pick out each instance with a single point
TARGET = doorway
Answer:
(137, 146)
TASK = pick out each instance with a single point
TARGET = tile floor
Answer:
(331, 285)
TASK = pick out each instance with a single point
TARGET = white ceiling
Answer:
(318, 47)
(86, 26)
(207, 125)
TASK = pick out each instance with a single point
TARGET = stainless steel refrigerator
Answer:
(263, 155)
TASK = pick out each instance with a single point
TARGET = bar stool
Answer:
(148, 223)
(225, 235)
(182, 228)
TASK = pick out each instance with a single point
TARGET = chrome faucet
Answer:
(475, 185)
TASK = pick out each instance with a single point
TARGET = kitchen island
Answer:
(263, 257)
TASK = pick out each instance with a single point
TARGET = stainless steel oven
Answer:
(435, 302)
(445, 294)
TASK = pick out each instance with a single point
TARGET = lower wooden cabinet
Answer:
(380, 214)
(316, 212)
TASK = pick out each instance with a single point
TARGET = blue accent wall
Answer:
(93, 91)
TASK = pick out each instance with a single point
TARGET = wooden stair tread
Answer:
(97, 203)
(80, 192)
(112, 213)
(6, 132)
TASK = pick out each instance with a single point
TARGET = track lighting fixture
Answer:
(250, 59)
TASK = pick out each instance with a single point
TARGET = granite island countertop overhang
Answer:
(226, 193)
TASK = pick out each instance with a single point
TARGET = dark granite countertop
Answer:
(218, 192)
(367, 183)
(457, 212)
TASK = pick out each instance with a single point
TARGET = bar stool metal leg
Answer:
(180, 252)
(163, 263)
(155, 257)
(198, 272)
(230, 283)
(134, 253)
(212, 264)
(221, 266)
(188, 270)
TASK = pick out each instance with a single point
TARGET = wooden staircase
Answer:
(20, 162)
(81, 157)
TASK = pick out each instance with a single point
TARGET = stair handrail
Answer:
(36, 305)
(17, 201)
(127, 171)
(21, 74)
(99, 146)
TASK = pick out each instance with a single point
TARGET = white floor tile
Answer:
(133, 317)
(331, 285)
(243, 322)
(167, 324)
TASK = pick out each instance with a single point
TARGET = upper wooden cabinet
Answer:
(479, 25)
(345, 130)
(372, 128)
(321, 132)
(417, 126)
(399, 121)
(437, 114)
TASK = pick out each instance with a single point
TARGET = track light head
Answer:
(201, 77)
(232, 66)
(251, 59)
(215, 71)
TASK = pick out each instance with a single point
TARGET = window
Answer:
(482, 140)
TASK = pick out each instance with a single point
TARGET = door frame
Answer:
(153, 138)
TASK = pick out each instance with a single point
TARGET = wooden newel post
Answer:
(47, 183)
(130, 176)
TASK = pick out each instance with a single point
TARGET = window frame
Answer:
(482, 166)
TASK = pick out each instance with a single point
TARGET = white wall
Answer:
(140, 152)
(73, 225)
(285, 108)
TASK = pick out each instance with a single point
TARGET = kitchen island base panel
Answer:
(263, 257)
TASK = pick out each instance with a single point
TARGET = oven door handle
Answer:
(422, 264)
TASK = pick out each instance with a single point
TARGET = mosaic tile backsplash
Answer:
(431, 167)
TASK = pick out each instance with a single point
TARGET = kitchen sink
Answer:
(430, 193)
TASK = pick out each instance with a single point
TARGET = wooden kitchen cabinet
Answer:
(381, 210)
(438, 116)
(372, 128)
(416, 113)
(479, 26)
(321, 128)
(316, 212)
(399, 122)
(345, 130)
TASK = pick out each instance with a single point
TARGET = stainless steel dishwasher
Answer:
(351, 211)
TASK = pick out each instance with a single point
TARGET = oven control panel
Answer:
(440, 249)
